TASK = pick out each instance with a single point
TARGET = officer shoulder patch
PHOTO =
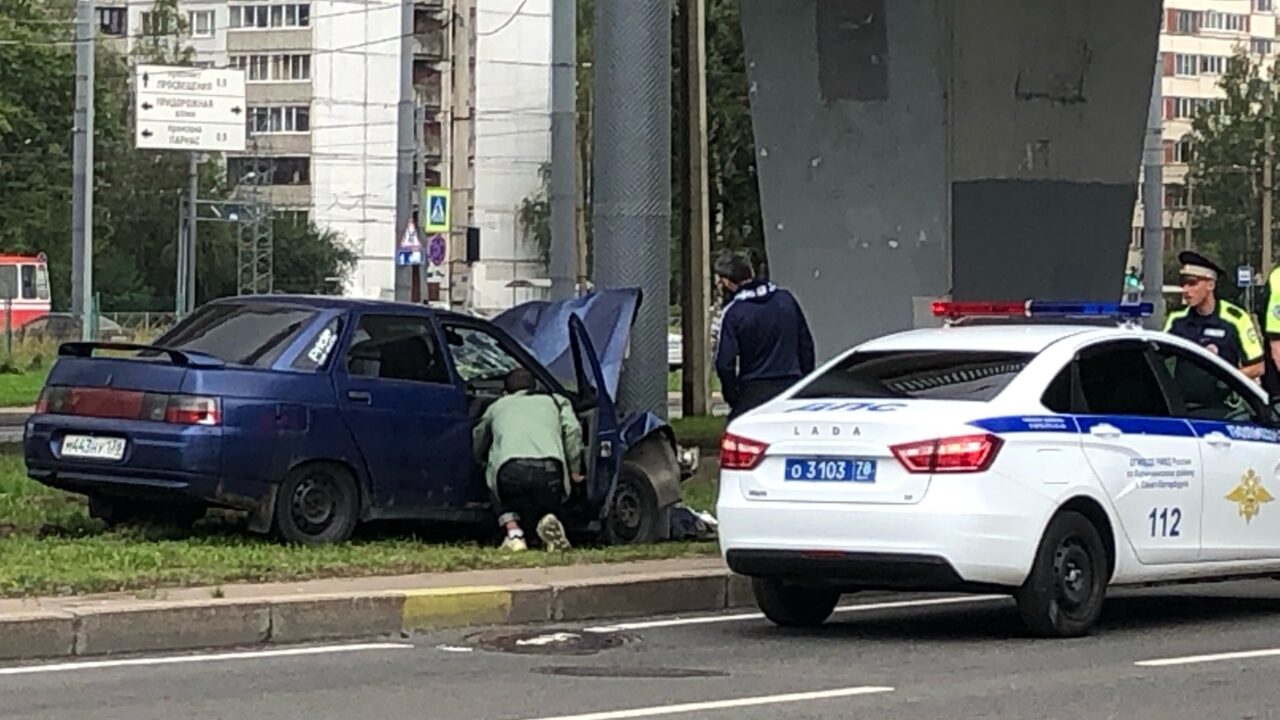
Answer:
(1275, 311)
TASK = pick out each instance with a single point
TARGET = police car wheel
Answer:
(317, 504)
(1063, 595)
(793, 605)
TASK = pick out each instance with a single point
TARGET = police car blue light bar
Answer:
(1041, 308)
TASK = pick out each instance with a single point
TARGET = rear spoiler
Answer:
(177, 357)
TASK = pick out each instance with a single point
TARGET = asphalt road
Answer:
(967, 659)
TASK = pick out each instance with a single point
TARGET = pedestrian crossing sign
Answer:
(437, 215)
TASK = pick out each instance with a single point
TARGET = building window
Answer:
(289, 15)
(289, 119)
(155, 23)
(113, 21)
(1186, 22)
(1186, 64)
(297, 218)
(292, 171)
(1214, 20)
(279, 170)
(1183, 107)
(1182, 152)
(1175, 196)
(1260, 46)
(256, 67)
(1213, 64)
(201, 23)
(1264, 6)
(277, 68)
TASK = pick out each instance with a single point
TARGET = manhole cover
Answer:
(549, 642)
(630, 672)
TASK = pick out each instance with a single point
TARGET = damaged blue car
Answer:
(315, 414)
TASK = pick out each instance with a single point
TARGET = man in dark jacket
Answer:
(764, 345)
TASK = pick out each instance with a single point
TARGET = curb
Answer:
(210, 624)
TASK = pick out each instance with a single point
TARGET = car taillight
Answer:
(193, 410)
(739, 453)
(960, 454)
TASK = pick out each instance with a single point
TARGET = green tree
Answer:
(1227, 157)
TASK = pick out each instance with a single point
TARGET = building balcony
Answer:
(433, 140)
(430, 6)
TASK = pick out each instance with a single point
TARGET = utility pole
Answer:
(1269, 160)
(695, 252)
(564, 140)
(1191, 208)
(631, 183)
(1153, 205)
(82, 190)
(193, 207)
(406, 147)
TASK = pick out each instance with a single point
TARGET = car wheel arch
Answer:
(1093, 510)
(655, 455)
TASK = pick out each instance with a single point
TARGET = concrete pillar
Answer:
(912, 149)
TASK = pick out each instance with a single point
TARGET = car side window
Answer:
(396, 347)
(478, 355)
(317, 352)
(1057, 397)
(1208, 392)
(1118, 380)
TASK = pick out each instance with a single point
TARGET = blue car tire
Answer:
(317, 504)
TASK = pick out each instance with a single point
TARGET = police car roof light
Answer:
(1046, 308)
(1041, 309)
(980, 309)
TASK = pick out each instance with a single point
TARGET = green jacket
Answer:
(528, 426)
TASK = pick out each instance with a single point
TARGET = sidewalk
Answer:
(246, 615)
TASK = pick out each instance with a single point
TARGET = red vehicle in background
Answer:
(24, 280)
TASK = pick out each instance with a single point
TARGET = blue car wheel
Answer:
(317, 504)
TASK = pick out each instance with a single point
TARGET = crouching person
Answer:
(533, 444)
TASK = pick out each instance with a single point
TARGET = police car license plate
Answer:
(831, 470)
(93, 448)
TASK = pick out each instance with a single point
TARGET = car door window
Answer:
(1206, 391)
(479, 356)
(1118, 380)
(396, 347)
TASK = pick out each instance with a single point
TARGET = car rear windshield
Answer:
(252, 334)
(975, 376)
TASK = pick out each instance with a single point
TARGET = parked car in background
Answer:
(316, 413)
(63, 327)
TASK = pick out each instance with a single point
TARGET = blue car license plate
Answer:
(831, 470)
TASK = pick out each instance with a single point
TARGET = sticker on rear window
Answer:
(319, 352)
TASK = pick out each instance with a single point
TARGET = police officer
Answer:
(1271, 330)
(1218, 325)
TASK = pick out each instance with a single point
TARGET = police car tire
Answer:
(1070, 542)
(793, 606)
(345, 509)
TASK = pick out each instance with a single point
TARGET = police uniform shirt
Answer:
(1229, 328)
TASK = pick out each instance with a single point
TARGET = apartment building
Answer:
(1197, 38)
(322, 96)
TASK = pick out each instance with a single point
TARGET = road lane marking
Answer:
(182, 659)
(724, 704)
(1193, 659)
(866, 607)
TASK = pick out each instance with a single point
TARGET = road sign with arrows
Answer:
(189, 108)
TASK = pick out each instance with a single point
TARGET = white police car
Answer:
(1047, 461)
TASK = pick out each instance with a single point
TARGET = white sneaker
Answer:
(552, 534)
(514, 544)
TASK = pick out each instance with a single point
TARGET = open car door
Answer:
(600, 431)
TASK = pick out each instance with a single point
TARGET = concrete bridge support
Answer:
(915, 149)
